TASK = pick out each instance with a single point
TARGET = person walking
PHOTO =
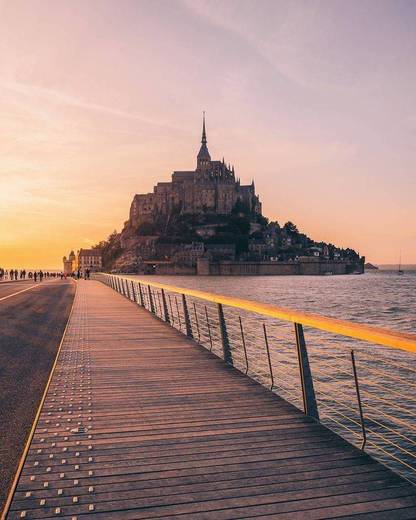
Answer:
(40, 275)
(35, 276)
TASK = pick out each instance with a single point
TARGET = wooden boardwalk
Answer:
(140, 422)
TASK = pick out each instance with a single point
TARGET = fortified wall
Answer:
(320, 267)
(309, 267)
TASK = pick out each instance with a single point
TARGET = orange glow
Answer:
(100, 101)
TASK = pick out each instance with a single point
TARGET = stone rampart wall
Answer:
(277, 268)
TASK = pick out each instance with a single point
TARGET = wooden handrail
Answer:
(378, 335)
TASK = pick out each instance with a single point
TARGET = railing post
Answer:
(308, 392)
(360, 406)
(228, 358)
(243, 339)
(197, 323)
(152, 307)
(266, 341)
(165, 307)
(179, 316)
(133, 292)
(188, 327)
(140, 295)
(118, 285)
(208, 327)
(127, 290)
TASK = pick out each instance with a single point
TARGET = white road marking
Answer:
(23, 290)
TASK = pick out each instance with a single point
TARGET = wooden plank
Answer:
(148, 507)
(159, 488)
(168, 429)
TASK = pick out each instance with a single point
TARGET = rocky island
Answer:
(205, 221)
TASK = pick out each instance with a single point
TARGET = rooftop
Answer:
(90, 252)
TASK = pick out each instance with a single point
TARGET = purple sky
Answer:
(101, 99)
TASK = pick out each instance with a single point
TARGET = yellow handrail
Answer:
(378, 335)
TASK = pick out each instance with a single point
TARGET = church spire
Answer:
(203, 158)
(204, 134)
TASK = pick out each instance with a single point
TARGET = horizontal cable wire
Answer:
(328, 360)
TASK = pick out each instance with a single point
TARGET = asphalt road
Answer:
(31, 327)
(7, 288)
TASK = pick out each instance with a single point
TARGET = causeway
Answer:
(139, 422)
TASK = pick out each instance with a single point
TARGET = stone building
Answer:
(211, 188)
(89, 259)
(70, 264)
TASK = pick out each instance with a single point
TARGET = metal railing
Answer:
(356, 379)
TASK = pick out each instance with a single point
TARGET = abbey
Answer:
(204, 221)
(210, 188)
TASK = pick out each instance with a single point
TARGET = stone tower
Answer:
(210, 188)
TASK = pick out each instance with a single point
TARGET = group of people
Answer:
(87, 273)
(78, 274)
(15, 274)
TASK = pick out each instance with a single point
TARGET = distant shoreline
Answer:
(395, 267)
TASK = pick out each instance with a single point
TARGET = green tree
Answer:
(290, 228)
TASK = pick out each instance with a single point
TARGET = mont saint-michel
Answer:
(206, 221)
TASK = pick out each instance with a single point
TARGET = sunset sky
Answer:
(99, 100)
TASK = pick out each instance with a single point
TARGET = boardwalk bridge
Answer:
(166, 402)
